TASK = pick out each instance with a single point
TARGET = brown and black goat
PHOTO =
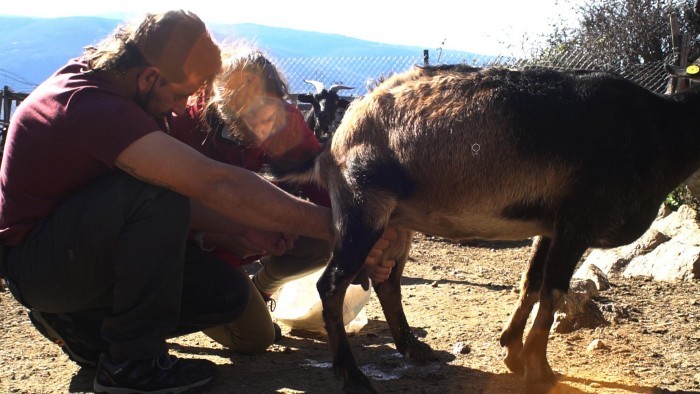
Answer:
(575, 159)
(325, 104)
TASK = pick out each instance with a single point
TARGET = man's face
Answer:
(161, 97)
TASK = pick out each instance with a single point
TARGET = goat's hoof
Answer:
(357, 383)
(514, 364)
(419, 351)
(539, 378)
(549, 388)
(512, 359)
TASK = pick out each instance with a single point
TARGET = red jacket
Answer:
(210, 137)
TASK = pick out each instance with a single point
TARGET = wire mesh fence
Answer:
(362, 72)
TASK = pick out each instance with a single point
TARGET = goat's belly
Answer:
(473, 225)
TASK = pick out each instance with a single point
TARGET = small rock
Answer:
(434, 284)
(461, 348)
(595, 274)
(595, 385)
(596, 344)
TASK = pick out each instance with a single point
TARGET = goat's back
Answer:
(512, 147)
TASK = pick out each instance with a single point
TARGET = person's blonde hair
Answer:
(243, 81)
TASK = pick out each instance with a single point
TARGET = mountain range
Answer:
(33, 48)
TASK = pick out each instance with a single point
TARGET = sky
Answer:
(486, 27)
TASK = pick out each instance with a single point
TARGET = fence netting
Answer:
(362, 72)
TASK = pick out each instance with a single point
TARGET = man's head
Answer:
(179, 45)
(172, 54)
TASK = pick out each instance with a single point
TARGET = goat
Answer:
(573, 159)
(325, 105)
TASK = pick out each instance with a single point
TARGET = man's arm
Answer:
(241, 240)
(236, 193)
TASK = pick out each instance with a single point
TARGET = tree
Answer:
(622, 33)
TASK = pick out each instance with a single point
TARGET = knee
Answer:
(317, 250)
(235, 339)
(257, 345)
(169, 204)
(142, 197)
(229, 305)
(252, 332)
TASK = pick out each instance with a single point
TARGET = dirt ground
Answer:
(457, 299)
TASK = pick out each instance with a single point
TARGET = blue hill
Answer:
(33, 48)
(282, 42)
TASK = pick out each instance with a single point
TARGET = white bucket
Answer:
(299, 305)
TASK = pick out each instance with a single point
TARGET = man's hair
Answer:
(176, 42)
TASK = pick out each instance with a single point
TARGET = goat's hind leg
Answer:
(364, 194)
(512, 334)
(389, 295)
(332, 290)
(564, 252)
(356, 240)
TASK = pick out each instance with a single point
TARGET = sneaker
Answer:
(164, 374)
(79, 339)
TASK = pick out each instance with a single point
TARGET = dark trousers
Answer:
(117, 251)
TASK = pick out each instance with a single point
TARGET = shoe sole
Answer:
(170, 390)
(51, 334)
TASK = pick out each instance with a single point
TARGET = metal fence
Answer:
(362, 72)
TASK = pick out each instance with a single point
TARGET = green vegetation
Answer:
(682, 196)
(623, 32)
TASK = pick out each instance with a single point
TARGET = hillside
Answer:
(33, 48)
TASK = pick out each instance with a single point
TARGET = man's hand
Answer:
(381, 269)
(269, 242)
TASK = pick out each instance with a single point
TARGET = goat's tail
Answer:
(306, 172)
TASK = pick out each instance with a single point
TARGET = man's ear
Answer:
(147, 77)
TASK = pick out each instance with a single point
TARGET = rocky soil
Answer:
(457, 298)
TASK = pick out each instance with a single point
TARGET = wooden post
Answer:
(6, 108)
(6, 100)
(426, 57)
(675, 36)
(676, 84)
(683, 83)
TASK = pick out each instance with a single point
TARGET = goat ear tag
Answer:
(692, 69)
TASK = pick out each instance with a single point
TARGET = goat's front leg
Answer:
(389, 295)
(512, 334)
(559, 267)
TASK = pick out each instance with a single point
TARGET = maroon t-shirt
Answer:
(68, 132)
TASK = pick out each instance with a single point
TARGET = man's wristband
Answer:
(198, 239)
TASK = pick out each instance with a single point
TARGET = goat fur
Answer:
(575, 159)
